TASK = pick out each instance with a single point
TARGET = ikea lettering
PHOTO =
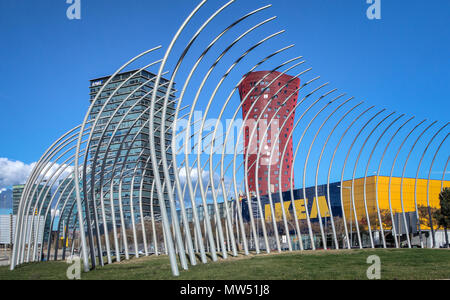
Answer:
(313, 203)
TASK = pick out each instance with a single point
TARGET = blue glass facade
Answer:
(129, 149)
(301, 205)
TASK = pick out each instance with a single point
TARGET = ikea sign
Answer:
(312, 203)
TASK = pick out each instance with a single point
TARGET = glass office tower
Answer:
(131, 159)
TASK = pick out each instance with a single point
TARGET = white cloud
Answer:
(13, 172)
(205, 180)
(17, 172)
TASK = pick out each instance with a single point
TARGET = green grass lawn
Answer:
(395, 264)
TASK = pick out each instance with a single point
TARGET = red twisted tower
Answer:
(271, 102)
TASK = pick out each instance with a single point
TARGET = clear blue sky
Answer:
(400, 62)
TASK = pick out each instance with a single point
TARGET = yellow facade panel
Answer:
(389, 195)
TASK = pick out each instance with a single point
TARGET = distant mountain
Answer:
(6, 199)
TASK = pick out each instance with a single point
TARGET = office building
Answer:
(269, 102)
(129, 149)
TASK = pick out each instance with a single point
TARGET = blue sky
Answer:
(400, 62)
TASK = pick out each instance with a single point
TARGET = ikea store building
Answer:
(407, 199)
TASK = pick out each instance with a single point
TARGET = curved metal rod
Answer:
(227, 135)
(353, 182)
(296, 152)
(153, 184)
(39, 171)
(252, 135)
(203, 123)
(58, 172)
(49, 240)
(403, 176)
(187, 81)
(62, 212)
(269, 125)
(208, 225)
(93, 164)
(144, 238)
(443, 174)
(193, 70)
(14, 252)
(298, 145)
(47, 166)
(284, 152)
(117, 126)
(428, 191)
(152, 148)
(77, 181)
(376, 186)
(318, 168)
(102, 174)
(417, 177)
(324, 239)
(52, 218)
(106, 127)
(222, 178)
(254, 130)
(202, 191)
(354, 174)
(307, 159)
(390, 181)
(101, 139)
(249, 199)
(378, 174)
(331, 165)
(114, 165)
(66, 229)
(191, 168)
(68, 222)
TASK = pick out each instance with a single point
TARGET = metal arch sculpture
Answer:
(87, 176)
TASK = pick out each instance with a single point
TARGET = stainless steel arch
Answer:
(376, 186)
(95, 181)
